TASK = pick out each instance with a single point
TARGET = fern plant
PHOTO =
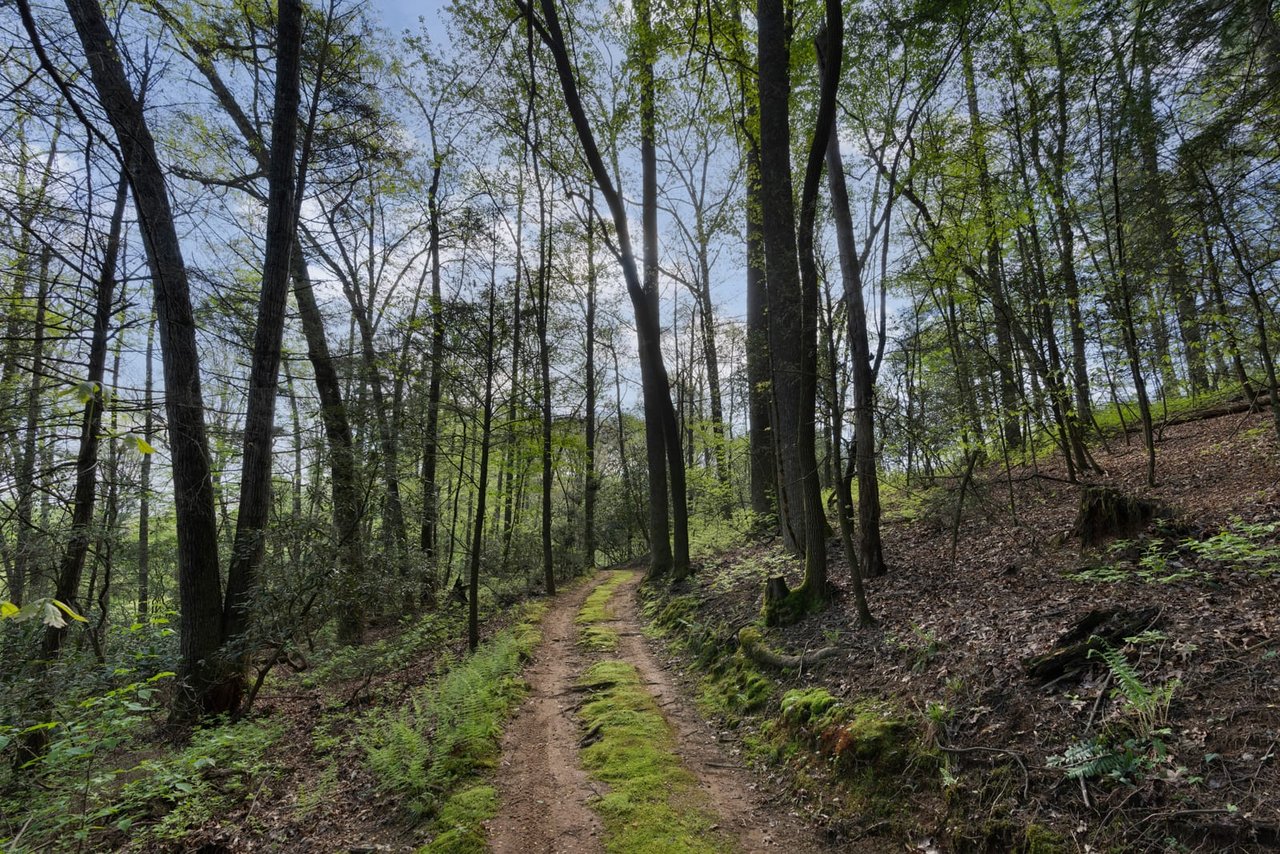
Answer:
(1145, 713)
(1147, 707)
(1097, 759)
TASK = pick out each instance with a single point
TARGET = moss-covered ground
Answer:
(653, 805)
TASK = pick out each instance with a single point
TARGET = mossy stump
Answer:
(784, 606)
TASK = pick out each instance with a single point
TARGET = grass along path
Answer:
(606, 755)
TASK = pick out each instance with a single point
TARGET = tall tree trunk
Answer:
(1260, 308)
(1128, 327)
(657, 431)
(144, 485)
(871, 556)
(86, 487)
(711, 355)
(264, 376)
(592, 482)
(25, 539)
(30, 205)
(778, 227)
(813, 593)
(197, 528)
(1180, 290)
(1066, 235)
(343, 470)
(542, 309)
(482, 481)
(431, 437)
(1009, 386)
(659, 412)
(764, 484)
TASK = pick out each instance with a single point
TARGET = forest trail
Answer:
(545, 796)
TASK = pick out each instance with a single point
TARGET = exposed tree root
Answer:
(752, 645)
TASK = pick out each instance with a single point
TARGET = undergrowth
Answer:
(428, 750)
(1239, 547)
(420, 634)
(96, 794)
(1133, 744)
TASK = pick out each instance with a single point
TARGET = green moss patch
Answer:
(653, 803)
(875, 749)
(596, 612)
(460, 823)
(869, 733)
(733, 688)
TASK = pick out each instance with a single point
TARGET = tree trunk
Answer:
(592, 483)
(659, 413)
(144, 486)
(1009, 385)
(871, 557)
(197, 529)
(86, 487)
(431, 437)
(1066, 235)
(264, 376)
(482, 481)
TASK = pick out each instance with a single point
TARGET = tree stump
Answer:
(1106, 512)
(776, 593)
(1096, 630)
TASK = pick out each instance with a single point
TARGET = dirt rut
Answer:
(544, 796)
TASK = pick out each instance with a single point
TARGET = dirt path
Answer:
(544, 796)
(542, 790)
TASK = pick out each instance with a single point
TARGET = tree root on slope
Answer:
(752, 645)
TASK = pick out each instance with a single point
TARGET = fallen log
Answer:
(1229, 407)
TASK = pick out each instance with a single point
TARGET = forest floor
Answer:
(1175, 748)
(646, 726)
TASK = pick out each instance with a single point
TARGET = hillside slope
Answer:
(1166, 741)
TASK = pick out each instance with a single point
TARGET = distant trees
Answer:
(1029, 233)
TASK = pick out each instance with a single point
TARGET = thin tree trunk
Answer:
(659, 413)
(431, 438)
(1126, 317)
(482, 481)
(25, 539)
(1009, 386)
(144, 486)
(1256, 300)
(592, 483)
(86, 487)
(871, 556)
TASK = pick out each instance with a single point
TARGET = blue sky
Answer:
(398, 15)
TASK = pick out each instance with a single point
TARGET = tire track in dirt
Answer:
(544, 795)
(543, 792)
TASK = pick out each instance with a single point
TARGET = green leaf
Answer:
(70, 613)
(144, 447)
